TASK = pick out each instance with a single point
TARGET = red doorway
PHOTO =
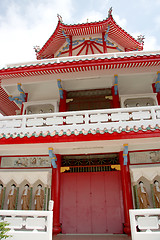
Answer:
(91, 202)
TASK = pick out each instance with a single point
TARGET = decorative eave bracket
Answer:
(157, 83)
(106, 35)
(60, 88)
(19, 99)
(67, 38)
(52, 157)
(116, 84)
(125, 154)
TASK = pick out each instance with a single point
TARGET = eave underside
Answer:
(80, 66)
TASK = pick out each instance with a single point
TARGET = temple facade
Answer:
(81, 126)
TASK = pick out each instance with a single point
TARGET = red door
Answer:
(91, 202)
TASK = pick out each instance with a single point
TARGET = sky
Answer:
(27, 23)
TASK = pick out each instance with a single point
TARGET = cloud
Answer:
(92, 16)
(122, 22)
(24, 26)
(157, 23)
(151, 43)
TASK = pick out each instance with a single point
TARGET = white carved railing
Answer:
(88, 57)
(26, 225)
(109, 119)
(145, 224)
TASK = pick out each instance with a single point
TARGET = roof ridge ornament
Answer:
(140, 39)
(59, 18)
(110, 12)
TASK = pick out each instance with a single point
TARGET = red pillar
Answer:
(127, 193)
(70, 46)
(116, 102)
(55, 195)
(62, 104)
(23, 104)
(158, 94)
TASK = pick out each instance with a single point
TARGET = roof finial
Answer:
(140, 39)
(110, 12)
(36, 48)
(59, 18)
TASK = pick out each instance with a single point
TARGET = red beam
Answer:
(87, 48)
(74, 48)
(85, 43)
(97, 48)
(91, 49)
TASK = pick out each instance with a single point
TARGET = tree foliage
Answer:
(3, 230)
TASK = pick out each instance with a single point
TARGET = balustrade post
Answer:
(127, 193)
(55, 195)
(24, 120)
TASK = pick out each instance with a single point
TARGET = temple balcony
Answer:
(76, 122)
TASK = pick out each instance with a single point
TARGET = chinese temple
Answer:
(81, 127)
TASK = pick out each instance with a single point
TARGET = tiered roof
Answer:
(118, 60)
(116, 33)
(123, 60)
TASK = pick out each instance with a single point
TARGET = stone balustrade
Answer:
(145, 224)
(108, 120)
(26, 225)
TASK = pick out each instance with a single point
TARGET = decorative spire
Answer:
(140, 39)
(110, 12)
(36, 48)
(59, 18)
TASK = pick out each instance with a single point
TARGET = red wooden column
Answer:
(70, 46)
(55, 195)
(23, 104)
(158, 94)
(62, 104)
(116, 102)
(127, 193)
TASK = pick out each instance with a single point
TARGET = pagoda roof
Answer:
(116, 33)
(117, 60)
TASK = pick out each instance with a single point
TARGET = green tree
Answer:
(3, 230)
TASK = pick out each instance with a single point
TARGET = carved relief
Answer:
(39, 198)
(143, 196)
(156, 192)
(25, 198)
(11, 202)
(1, 195)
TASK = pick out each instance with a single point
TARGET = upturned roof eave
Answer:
(66, 27)
(48, 68)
